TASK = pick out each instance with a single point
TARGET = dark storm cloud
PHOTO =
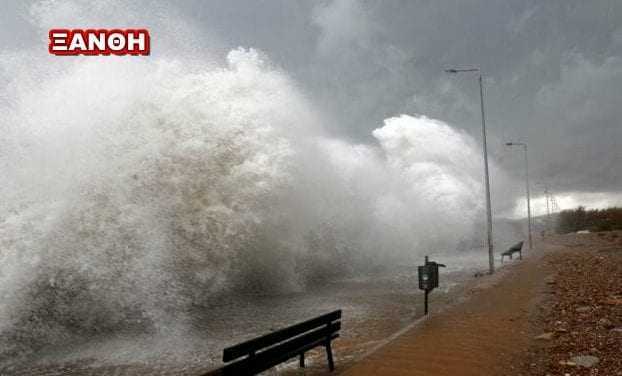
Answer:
(553, 70)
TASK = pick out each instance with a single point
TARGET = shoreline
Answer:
(376, 307)
(396, 313)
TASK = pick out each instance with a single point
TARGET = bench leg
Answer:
(511, 256)
(520, 255)
(302, 360)
(329, 356)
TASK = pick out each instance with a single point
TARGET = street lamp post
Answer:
(524, 145)
(491, 256)
(548, 197)
(548, 209)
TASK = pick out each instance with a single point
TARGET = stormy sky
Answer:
(553, 69)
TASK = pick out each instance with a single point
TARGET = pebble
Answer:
(605, 323)
(583, 309)
(613, 301)
(587, 361)
(567, 363)
(545, 336)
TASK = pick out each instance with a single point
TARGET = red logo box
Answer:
(99, 42)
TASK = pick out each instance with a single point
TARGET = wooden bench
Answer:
(516, 248)
(262, 353)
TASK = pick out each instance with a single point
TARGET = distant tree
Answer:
(593, 220)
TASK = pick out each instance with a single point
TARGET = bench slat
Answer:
(238, 367)
(282, 352)
(253, 345)
(516, 247)
(513, 249)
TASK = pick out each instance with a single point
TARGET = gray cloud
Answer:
(342, 24)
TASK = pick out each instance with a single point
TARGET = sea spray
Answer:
(138, 189)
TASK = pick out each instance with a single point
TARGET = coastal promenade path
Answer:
(488, 334)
